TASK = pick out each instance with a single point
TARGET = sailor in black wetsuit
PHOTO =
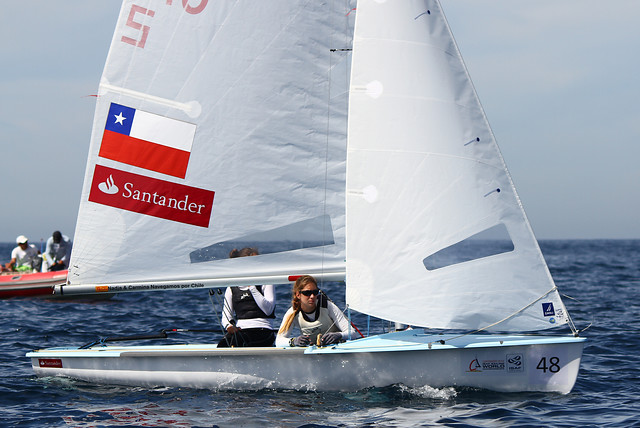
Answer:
(248, 312)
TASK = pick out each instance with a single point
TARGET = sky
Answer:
(559, 81)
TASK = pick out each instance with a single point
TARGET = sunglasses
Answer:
(310, 292)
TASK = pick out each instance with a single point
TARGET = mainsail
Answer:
(212, 132)
(423, 174)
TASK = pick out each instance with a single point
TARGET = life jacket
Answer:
(246, 307)
(322, 322)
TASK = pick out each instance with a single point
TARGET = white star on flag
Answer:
(120, 118)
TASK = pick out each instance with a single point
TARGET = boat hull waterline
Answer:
(499, 363)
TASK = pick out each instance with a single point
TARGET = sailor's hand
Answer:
(232, 329)
(302, 340)
(330, 338)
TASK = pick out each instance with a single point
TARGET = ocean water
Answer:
(600, 278)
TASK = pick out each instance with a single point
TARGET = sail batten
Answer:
(192, 108)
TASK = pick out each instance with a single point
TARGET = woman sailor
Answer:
(248, 312)
(314, 316)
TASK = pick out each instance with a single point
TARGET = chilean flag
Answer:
(147, 140)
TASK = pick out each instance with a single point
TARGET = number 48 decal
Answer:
(553, 364)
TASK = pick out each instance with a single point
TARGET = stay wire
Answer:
(225, 307)
(573, 327)
(351, 324)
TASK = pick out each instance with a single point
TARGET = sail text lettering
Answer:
(131, 22)
(156, 199)
(152, 197)
(194, 10)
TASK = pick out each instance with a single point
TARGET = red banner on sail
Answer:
(150, 196)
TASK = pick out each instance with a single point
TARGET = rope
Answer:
(591, 323)
(225, 307)
(351, 324)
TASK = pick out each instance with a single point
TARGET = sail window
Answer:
(315, 232)
(492, 241)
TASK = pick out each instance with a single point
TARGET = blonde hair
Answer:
(300, 283)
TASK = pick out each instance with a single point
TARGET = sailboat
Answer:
(345, 141)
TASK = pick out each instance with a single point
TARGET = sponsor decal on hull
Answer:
(515, 363)
(510, 363)
(50, 362)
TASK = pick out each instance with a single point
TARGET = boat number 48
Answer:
(551, 364)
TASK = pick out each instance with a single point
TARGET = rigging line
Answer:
(224, 307)
(570, 320)
(333, 8)
(326, 155)
(213, 304)
(591, 323)
(332, 36)
(351, 324)
(511, 316)
(228, 313)
(569, 297)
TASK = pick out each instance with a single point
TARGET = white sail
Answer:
(249, 120)
(423, 174)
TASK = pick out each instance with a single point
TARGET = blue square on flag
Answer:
(120, 119)
(547, 310)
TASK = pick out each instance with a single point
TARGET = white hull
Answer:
(499, 363)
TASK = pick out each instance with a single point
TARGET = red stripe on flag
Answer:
(144, 154)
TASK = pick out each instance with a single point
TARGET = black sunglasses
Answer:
(310, 292)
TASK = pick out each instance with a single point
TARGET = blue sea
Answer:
(600, 278)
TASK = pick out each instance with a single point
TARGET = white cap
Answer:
(21, 239)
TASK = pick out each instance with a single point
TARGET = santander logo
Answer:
(150, 196)
(109, 187)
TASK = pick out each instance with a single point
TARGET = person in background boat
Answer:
(57, 253)
(248, 312)
(314, 315)
(25, 257)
